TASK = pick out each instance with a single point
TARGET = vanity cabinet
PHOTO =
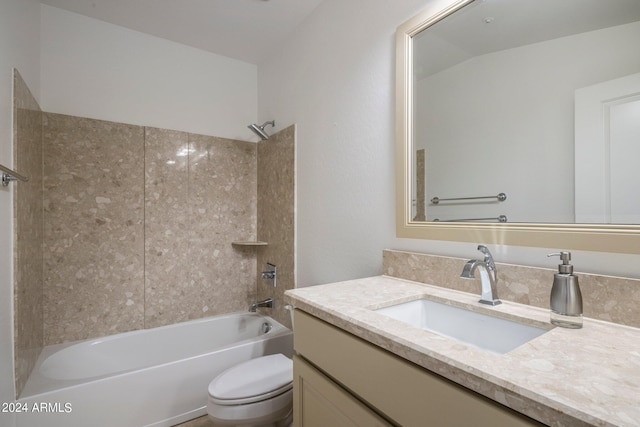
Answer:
(342, 380)
(320, 402)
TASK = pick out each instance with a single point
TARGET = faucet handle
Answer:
(488, 258)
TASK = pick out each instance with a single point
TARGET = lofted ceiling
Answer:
(247, 30)
(487, 26)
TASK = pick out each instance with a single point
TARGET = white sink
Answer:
(481, 330)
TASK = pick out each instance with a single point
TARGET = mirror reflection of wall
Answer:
(494, 92)
(606, 171)
(624, 155)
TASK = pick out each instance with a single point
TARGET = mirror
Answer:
(500, 108)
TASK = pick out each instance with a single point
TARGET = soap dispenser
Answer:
(566, 299)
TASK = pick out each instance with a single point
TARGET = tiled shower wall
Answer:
(276, 213)
(139, 224)
(28, 231)
(129, 227)
(94, 230)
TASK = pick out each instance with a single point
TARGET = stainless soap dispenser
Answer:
(566, 299)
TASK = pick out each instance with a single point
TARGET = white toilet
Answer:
(258, 392)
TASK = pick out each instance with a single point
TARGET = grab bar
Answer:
(8, 175)
(501, 198)
(501, 218)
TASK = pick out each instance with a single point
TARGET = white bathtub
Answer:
(154, 377)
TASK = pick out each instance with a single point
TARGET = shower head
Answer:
(259, 130)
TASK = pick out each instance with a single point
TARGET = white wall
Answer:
(335, 79)
(19, 48)
(94, 69)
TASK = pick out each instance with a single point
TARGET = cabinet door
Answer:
(319, 402)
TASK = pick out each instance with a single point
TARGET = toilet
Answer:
(256, 393)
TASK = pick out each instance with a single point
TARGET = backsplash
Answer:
(613, 299)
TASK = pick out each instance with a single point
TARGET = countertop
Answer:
(565, 377)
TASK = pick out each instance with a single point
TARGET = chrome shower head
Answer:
(259, 130)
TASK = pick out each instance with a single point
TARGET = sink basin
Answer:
(481, 330)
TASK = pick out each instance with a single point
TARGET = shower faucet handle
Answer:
(270, 274)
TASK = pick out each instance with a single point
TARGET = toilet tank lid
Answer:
(253, 378)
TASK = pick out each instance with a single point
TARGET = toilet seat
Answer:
(253, 381)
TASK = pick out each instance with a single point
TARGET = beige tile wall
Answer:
(94, 228)
(276, 216)
(200, 196)
(166, 224)
(28, 227)
(222, 200)
(614, 299)
(138, 227)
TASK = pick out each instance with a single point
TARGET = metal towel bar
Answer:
(501, 218)
(501, 198)
(8, 175)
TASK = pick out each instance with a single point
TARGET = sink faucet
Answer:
(264, 303)
(488, 276)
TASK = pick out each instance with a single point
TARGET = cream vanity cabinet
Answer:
(342, 380)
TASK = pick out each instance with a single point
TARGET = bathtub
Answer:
(154, 377)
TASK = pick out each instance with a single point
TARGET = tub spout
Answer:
(264, 303)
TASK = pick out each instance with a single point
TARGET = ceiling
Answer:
(247, 30)
(488, 26)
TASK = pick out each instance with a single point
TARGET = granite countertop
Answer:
(588, 376)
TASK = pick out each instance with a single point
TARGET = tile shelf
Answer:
(249, 243)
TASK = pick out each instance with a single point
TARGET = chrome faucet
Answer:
(271, 274)
(264, 303)
(488, 276)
